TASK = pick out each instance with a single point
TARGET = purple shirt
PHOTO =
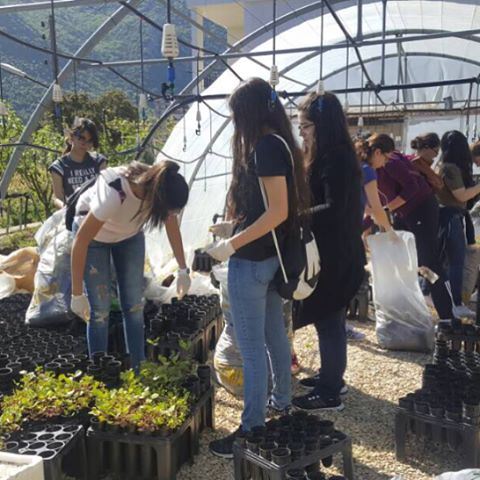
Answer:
(399, 178)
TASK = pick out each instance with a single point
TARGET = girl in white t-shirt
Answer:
(109, 224)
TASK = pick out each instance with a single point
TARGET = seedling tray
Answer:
(458, 436)
(147, 457)
(62, 448)
(248, 465)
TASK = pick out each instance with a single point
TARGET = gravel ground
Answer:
(376, 379)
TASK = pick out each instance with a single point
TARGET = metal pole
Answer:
(384, 27)
(359, 19)
(53, 41)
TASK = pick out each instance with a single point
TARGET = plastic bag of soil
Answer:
(403, 320)
(227, 360)
(50, 304)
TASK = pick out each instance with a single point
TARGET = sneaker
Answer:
(316, 403)
(274, 411)
(295, 368)
(223, 447)
(311, 382)
(462, 311)
(355, 335)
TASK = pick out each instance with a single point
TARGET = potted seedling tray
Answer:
(144, 457)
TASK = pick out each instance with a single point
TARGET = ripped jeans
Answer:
(128, 259)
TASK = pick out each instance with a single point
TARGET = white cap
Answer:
(274, 77)
(57, 94)
(170, 47)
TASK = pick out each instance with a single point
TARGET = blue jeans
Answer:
(128, 258)
(332, 339)
(257, 315)
(454, 245)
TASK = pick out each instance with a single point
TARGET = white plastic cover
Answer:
(207, 155)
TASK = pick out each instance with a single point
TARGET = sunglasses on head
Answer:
(82, 138)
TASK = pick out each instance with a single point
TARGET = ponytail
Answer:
(164, 190)
(429, 140)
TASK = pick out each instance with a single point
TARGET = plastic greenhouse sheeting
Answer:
(428, 60)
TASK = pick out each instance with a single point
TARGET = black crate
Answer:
(62, 448)
(249, 465)
(457, 435)
(145, 457)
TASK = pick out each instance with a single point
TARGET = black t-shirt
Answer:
(75, 174)
(272, 160)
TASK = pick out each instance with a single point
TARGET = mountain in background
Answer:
(73, 26)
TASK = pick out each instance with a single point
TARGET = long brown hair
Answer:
(165, 190)
(254, 110)
(331, 128)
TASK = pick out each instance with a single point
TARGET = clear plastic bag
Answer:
(469, 474)
(403, 320)
(50, 304)
(227, 360)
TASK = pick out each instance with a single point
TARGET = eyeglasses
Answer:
(83, 139)
(305, 126)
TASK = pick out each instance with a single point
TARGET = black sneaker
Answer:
(223, 447)
(274, 411)
(313, 402)
(310, 382)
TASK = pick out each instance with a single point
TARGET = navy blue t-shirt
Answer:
(75, 174)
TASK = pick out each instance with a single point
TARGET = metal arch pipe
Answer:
(252, 36)
(416, 35)
(429, 35)
(46, 100)
(35, 6)
(394, 55)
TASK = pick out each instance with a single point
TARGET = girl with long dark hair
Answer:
(78, 164)
(455, 197)
(109, 222)
(335, 181)
(264, 151)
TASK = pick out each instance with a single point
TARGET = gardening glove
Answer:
(221, 251)
(183, 282)
(81, 307)
(222, 229)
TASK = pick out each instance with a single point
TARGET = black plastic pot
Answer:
(281, 456)
(4, 359)
(297, 450)
(6, 375)
(295, 474)
(204, 374)
(326, 427)
(113, 368)
(316, 476)
(265, 450)
(97, 357)
(253, 443)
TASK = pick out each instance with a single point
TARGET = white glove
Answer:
(183, 282)
(80, 306)
(222, 229)
(222, 250)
